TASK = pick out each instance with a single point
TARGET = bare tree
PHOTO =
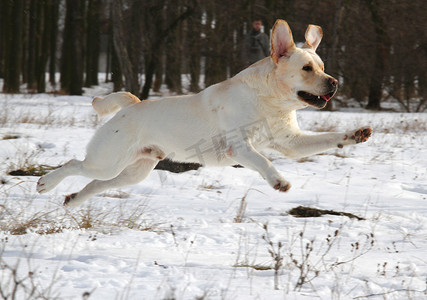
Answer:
(53, 24)
(174, 58)
(72, 48)
(157, 36)
(93, 40)
(194, 41)
(217, 43)
(332, 59)
(121, 49)
(12, 15)
(381, 54)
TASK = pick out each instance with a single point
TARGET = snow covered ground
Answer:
(181, 236)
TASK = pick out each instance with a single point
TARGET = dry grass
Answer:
(10, 137)
(32, 170)
(241, 210)
(118, 217)
(22, 220)
(48, 117)
(258, 267)
(211, 186)
(35, 118)
(19, 224)
(25, 164)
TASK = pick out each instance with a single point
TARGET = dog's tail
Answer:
(113, 102)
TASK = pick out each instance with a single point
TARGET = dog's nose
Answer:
(333, 82)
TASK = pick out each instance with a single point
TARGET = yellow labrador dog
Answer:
(228, 123)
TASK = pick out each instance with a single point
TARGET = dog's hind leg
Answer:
(49, 181)
(129, 176)
(102, 169)
(104, 161)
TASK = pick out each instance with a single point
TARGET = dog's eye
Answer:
(307, 68)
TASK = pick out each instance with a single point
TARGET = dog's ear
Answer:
(313, 36)
(282, 42)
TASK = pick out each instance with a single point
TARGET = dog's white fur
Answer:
(227, 123)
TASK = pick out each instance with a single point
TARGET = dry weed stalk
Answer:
(16, 284)
(276, 255)
(241, 210)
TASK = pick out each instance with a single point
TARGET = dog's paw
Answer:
(361, 135)
(282, 185)
(43, 185)
(69, 200)
(277, 182)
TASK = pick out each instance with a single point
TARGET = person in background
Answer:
(256, 44)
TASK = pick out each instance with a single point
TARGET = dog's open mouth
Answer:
(316, 101)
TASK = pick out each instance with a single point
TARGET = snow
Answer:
(174, 236)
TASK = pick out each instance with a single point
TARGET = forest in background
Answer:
(376, 48)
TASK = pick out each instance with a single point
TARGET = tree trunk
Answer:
(134, 42)
(173, 53)
(158, 76)
(53, 23)
(108, 59)
(116, 72)
(381, 54)
(110, 46)
(150, 61)
(422, 82)
(218, 43)
(2, 26)
(116, 76)
(72, 48)
(150, 67)
(194, 50)
(43, 47)
(93, 41)
(332, 60)
(153, 43)
(120, 46)
(30, 77)
(38, 45)
(14, 11)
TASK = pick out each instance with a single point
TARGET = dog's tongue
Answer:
(326, 98)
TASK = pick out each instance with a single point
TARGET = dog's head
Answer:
(299, 72)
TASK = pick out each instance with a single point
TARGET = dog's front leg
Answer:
(303, 145)
(245, 154)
